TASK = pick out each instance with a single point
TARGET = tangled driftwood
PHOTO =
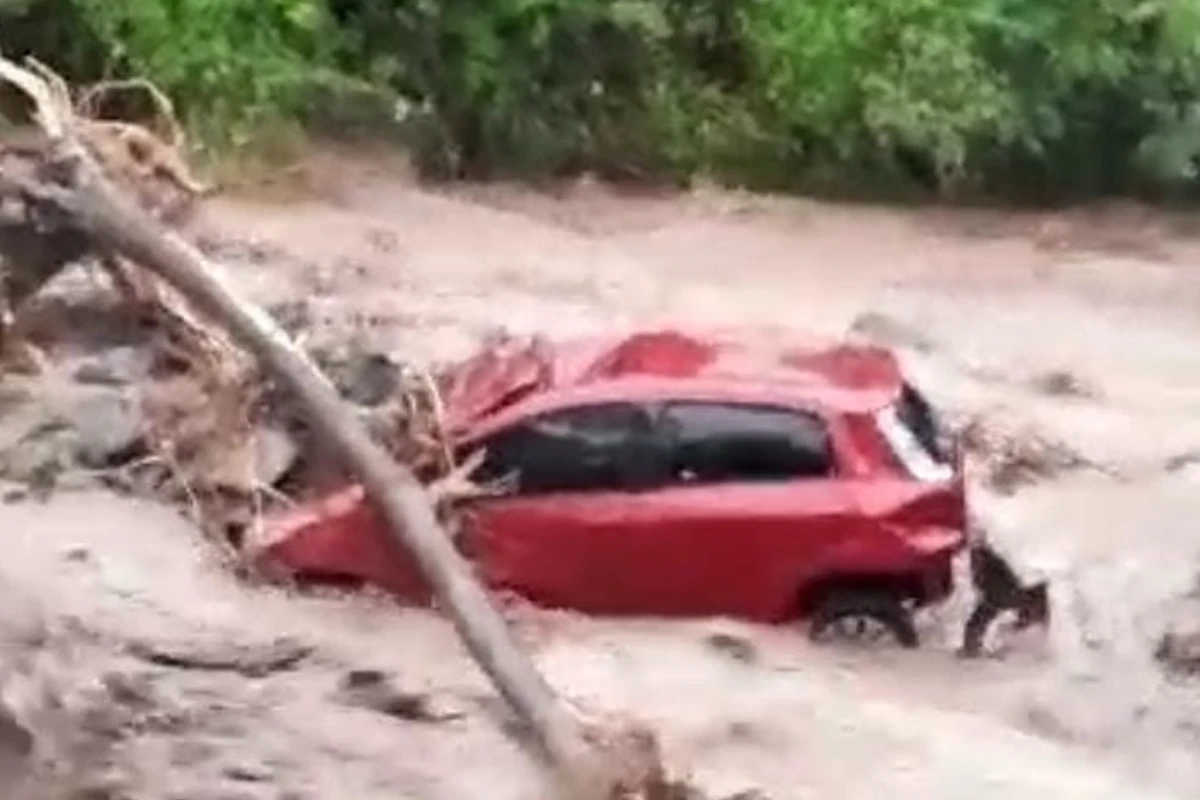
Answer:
(62, 200)
(130, 156)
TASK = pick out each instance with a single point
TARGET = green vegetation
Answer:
(968, 98)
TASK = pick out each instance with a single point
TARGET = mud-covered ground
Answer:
(1080, 330)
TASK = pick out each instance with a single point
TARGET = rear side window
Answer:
(719, 442)
(915, 438)
(588, 448)
(918, 416)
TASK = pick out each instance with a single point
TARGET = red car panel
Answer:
(739, 547)
(558, 552)
(341, 538)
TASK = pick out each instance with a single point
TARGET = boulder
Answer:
(108, 423)
(886, 330)
(262, 458)
(364, 377)
(1179, 652)
(116, 366)
(35, 444)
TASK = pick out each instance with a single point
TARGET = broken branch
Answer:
(396, 492)
(87, 105)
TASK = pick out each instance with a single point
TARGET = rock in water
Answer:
(16, 750)
(377, 378)
(364, 377)
(118, 366)
(261, 458)
(107, 422)
(375, 690)
(1179, 652)
(39, 460)
(275, 453)
(737, 648)
(886, 330)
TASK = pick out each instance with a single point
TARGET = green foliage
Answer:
(52, 30)
(522, 85)
(1076, 72)
(1169, 156)
(238, 63)
(870, 84)
(1022, 97)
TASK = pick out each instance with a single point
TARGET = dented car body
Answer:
(666, 473)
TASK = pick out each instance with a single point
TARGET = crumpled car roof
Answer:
(507, 371)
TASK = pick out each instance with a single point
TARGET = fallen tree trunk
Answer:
(401, 499)
(69, 193)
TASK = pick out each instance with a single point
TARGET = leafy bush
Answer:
(864, 87)
(522, 85)
(1169, 155)
(236, 67)
(1076, 71)
(238, 64)
(1019, 97)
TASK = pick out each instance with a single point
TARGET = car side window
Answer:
(918, 416)
(599, 447)
(722, 442)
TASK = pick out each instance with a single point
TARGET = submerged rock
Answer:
(117, 366)
(108, 423)
(886, 330)
(1179, 652)
(364, 377)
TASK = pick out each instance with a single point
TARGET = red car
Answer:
(663, 473)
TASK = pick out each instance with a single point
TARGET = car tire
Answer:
(884, 609)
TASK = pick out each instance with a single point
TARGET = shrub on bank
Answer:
(954, 97)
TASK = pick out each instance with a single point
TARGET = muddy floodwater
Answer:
(1083, 332)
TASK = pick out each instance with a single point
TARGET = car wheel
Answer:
(863, 617)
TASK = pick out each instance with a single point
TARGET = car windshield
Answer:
(911, 430)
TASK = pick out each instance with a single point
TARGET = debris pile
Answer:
(109, 410)
(124, 409)
(123, 384)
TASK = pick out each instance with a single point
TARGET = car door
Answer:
(557, 538)
(753, 499)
